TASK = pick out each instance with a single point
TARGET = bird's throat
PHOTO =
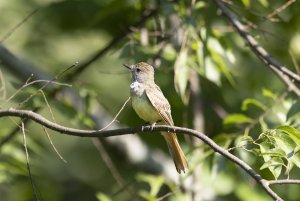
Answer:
(137, 88)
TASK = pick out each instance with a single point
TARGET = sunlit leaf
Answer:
(264, 148)
(102, 197)
(220, 63)
(274, 153)
(274, 165)
(169, 53)
(274, 161)
(250, 101)
(268, 93)
(284, 142)
(155, 182)
(146, 196)
(181, 74)
(243, 141)
(199, 4)
(246, 3)
(237, 119)
(296, 159)
(211, 71)
(263, 124)
(265, 3)
(292, 132)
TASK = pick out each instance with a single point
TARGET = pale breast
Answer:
(144, 108)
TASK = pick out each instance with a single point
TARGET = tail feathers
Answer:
(176, 152)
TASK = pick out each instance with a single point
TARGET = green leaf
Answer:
(237, 119)
(285, 143)
(249, 101)
(268, 93)
(181, 74)
(264, 148)
(273, 162)
(274, 165)
(222, 66)
(243, 140)
(296, 159)
(295, 108)
(102, 197)
(292, 132)
(144, 194)
(246, 3)
(155, 183)
(274, 153)
(199, 4)
(265, 3)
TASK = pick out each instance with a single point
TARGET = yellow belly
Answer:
(144, 109)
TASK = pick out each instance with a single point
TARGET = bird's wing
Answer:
(160, 103)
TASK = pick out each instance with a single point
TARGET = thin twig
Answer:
(111, 166)
(56, 151)
(108, 162)
(49, 82)
(27, 162)
(31, 83)
(165, 196)
(10, 32)
(114, 119)
(280, 9)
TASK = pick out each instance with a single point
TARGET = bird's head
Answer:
(141, 72)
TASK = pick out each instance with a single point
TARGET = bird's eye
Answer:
(138, 70)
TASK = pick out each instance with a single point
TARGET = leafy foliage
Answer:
(243, 106)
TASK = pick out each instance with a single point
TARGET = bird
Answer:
(150, 104)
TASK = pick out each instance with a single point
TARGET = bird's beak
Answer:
(128, 66)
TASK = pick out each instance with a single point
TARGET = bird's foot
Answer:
(152, 126)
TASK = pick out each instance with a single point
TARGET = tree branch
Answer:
(113, 42)
(284, 181)
(287, 76)
(123, 131)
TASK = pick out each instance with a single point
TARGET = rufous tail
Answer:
(176, 152)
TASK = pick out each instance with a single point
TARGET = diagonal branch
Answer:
(123, 131)
(286, 75)
(113, 42)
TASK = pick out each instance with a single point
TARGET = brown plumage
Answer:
(151, 105)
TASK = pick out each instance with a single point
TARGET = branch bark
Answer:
(123, 131)
(286, 75)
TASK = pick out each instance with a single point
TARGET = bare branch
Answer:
(10, 32)
(282, 71)
(113, 42)
(280, 9)
(123, 131)
(284, 181)
(2, 87)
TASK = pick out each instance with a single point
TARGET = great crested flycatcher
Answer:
(151, 105)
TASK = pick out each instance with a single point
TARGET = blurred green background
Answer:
(212, 80)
